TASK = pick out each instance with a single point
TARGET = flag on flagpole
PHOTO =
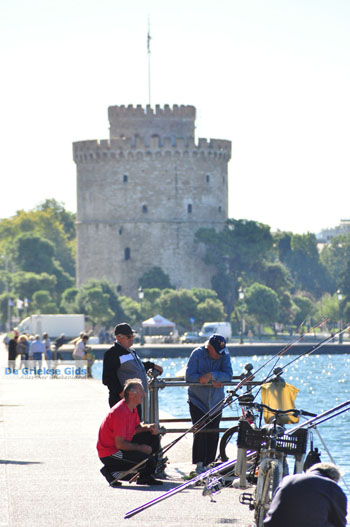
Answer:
(11, 302)
(19, 304)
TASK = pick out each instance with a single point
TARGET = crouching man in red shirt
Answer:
(123, 441)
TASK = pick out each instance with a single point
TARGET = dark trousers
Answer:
(204, 444)
(133, 457)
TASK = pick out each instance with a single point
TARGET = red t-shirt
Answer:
(121, 422)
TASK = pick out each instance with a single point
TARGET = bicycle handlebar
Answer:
(297, 413)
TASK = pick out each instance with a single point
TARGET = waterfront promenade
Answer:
(50, 472)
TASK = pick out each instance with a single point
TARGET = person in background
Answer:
(48, 352)
(311, 499)
(23, 349)
(209, 365)
(79, 352)
(123, 441)
(12, 348)
(58, 343)
(36, 350)
(121, 362)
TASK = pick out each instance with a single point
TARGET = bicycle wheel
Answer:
(230, 434)
(262, 503)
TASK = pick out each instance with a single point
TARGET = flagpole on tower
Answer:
(149, 61)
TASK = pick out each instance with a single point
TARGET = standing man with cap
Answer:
(209, 365)
(121, 363)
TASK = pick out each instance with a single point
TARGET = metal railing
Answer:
(151, 402)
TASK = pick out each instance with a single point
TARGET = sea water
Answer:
(323, 382)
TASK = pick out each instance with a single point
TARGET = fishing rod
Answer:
(229, 466)
(206, 418)
(195, 428)
(203, 421)
(317, 346)
(323, 417)
(312, 350)
(288, 347)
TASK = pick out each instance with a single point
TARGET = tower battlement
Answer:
(111, 149)
(128, 121)
(131, 111)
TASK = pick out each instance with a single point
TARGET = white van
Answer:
(222, 328)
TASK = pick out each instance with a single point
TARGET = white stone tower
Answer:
(144, 193)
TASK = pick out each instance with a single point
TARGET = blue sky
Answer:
(271, 76)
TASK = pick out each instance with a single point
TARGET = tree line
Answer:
(261, 279)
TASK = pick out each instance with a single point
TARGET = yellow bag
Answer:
(281, 396)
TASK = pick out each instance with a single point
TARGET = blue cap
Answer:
(218, 342)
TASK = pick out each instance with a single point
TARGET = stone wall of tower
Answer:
(144, 193)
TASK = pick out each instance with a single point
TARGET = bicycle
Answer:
(273, 444)
(231, 434)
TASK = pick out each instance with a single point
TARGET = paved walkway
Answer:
(50, 472)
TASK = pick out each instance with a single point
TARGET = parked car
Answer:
(190, 336)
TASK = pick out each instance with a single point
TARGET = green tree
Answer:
(344, 285)
(155, 278)
(151, 295)
(34, 254)
(148, 305)
(334, 256)
(49, 221)
(132, 310)
(56, 210)
(287, 308)
(208, 310)
(277, 277)
(4, 300)
(69, 300)
(305, 309)
(201, 295)
(262, 302)
(328, 308)
(300, 254)
(37, 255)
(42, 303)
(24, 285)
(179, 306)
(108, 300)
(96, 305)
(239, 249)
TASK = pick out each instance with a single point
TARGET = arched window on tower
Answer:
(144, 209)
(127, 255)
(208, 178)
(125, 178)
(189, 208)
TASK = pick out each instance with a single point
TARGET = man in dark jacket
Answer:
(12, 347)
(311, 499)
(121, 363)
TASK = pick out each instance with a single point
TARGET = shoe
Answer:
(200, 468)
(111, 480)
(148, 480)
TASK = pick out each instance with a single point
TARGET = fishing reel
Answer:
(212, 487)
